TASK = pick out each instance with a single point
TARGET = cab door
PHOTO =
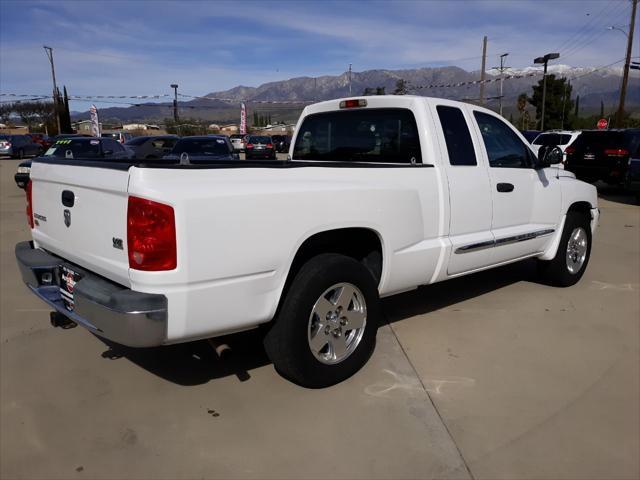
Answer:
(469, 189)
(526, 202)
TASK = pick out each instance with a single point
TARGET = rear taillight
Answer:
(29, 204)
(249, 145)
(151, 235)
(616, 152)
(269, 145)
(570, 150)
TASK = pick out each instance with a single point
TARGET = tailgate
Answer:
(80, 214)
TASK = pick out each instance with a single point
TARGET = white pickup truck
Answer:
(379, 196)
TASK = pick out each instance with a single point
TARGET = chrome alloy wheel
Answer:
(337, 323)
(576, 250)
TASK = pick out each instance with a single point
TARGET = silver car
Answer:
(19, 146)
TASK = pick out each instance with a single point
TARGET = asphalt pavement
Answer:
(488, 376)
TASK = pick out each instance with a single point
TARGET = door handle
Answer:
(505, 187)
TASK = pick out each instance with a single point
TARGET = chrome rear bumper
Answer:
(105, 308)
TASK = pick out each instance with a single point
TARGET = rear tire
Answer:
(572, 257)
(310, 342)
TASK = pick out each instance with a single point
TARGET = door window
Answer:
(504, 148)
(457, 136)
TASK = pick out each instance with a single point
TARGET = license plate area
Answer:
(68, 279)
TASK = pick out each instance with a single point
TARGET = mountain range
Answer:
(593, 85)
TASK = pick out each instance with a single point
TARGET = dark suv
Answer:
(281, 142)
(259, 146)
(602, 154)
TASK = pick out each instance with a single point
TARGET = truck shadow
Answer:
(617, 194)
(197, 362)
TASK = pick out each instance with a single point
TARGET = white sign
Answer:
(243, 120)
(95, 124)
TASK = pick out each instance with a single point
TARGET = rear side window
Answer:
(457, 136)
(384, 135)
(504, 147)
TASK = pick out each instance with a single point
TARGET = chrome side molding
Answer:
(474, 247)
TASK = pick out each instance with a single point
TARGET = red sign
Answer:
(602, 123)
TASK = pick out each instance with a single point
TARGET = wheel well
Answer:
(361, 244)
(581, 207)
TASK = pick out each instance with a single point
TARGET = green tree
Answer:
(576, 113)
(6, 109)
(521, 105)
(558, 99)
(601, 108)
(401, 87)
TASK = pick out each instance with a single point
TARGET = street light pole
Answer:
(349, 79)
(545, 61)
(49, 52)
(175, 102)
(501, 68)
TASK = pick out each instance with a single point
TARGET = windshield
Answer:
(552, 139)
(204, 147)
(75, 149)
(259, 139)
(137, 141)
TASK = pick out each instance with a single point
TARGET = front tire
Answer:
(573, 254)
(326, 329)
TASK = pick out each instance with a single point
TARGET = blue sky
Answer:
(140, 47)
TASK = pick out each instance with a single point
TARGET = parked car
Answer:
(237, 140)
(632, 182)
(82, 148)
(259, 146)
(41, 139)
(202, 149)
(152, 146)
(18, 146)
(602, 154)
(281, 143)
(530, 135)
(382, 194)
(121, 137)
(560, 138)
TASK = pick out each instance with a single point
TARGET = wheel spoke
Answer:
(318, 341)
(322, 307)
(344, 297)
(355, 319)
(338, 346)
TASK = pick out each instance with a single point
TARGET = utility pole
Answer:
(501, 68)
(349, 79)
(482, 70)
(545, 60)
(627, 64)
(49, 52)
(175, 102)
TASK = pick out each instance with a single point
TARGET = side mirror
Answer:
(549, 156)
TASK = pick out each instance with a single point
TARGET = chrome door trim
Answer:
(474, 247)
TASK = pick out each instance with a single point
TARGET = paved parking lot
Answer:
(489, 376)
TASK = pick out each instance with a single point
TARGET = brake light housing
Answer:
(151, 235)
(353, 103)
(269, 145)
(249, 145)
(616, 152)
(570, 150)
(29, 204)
